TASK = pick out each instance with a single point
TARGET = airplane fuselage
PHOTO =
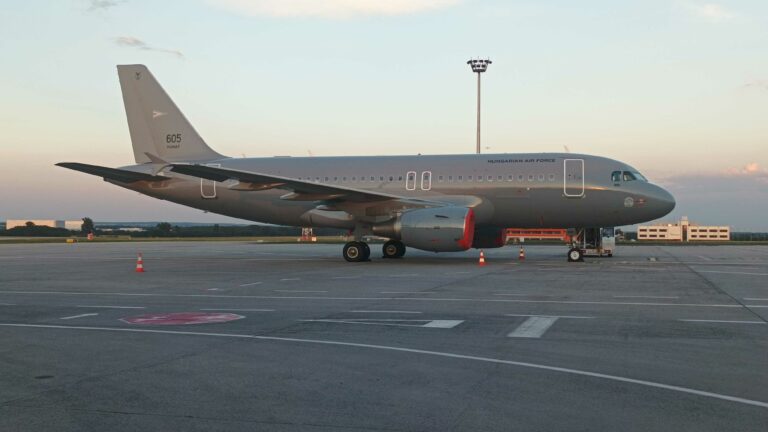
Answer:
(521, 190)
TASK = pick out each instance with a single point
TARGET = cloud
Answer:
(132, 42)
(758, 83)
(710, 12)
(336, 9)
(94, 5)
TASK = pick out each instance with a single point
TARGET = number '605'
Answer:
(173, 138)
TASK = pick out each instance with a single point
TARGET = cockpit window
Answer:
(619, 176)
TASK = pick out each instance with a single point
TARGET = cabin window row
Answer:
(440, 178)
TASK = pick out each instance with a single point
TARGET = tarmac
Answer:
(293, 338)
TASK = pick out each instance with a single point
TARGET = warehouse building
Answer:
(683, 231)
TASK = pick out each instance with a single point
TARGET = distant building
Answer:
(70, 224)
(683, 231)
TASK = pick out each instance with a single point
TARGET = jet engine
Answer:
(489, 237)
(441, 229)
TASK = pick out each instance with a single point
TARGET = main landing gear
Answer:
(356, 251)
(393, 249)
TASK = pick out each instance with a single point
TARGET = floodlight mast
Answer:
(479, 66)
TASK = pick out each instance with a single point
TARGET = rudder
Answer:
(156, 124)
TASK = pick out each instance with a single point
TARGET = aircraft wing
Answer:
(300, 190)
(123, 176)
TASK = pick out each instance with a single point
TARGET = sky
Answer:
(677, 89)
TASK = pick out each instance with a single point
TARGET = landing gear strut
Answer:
(356, 251)
(393, 249)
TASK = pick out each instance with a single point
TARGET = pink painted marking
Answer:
(182, 318)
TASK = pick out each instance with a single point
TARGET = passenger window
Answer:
(479, 178)
(469, 178)
(520, 177)
(551, 177)
(450, 178)
(541, 177)
(530, 177)
(391, 178)
(490, 178)
(510, 177)
(440, 179)
(500, 178)
(461, 178)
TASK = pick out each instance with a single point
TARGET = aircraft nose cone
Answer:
(663, 201)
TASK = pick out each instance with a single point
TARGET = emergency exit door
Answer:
(573, 178)
(208, 187)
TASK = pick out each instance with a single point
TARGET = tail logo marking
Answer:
(156, 114)
(138, 75)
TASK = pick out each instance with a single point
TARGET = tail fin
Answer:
(157, 126)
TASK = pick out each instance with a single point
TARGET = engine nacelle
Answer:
(441, 229)
(489, 238)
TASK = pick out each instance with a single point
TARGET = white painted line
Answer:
(564, 370)
(366, 322)
(723, 321)
(648, 297)
(550, 316)
(289, 279)
(403, 275)
(385, 311)
(445, 324)
(213, 289)
(704, 258)
(299, 291)
(403, 292)
(240, 310)
(111, 307)
(458, 273)
(78, 316)
(346, 277)
(524, 295)
(756, 306)
(533, 327)
(731, 272)
(251, 284)
(7, 304)
(755, 299)
(415, 299)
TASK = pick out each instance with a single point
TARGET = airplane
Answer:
(439, 203)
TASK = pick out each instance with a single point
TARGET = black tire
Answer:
(575, 255)
(354, 251)
(366, 251)
(390, 249)
(393, 249)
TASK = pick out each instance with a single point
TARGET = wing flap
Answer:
(122, 176)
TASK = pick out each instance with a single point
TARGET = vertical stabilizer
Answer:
(157, 126)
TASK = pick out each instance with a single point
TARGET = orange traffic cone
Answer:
(482, 259)
(522, 254)
(140, 264)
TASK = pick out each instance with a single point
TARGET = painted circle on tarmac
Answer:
(181, 318)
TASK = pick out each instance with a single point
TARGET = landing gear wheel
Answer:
(356, 251)
(575, 255)
(393, 249)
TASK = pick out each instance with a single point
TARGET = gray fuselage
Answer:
(548, 190)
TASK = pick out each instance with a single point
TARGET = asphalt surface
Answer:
(655, 338)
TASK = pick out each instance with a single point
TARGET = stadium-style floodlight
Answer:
(478, 66)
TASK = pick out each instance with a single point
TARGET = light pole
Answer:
(478, 66)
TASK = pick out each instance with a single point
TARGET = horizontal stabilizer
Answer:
(122, 176)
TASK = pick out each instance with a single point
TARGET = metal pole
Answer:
(478, 113)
